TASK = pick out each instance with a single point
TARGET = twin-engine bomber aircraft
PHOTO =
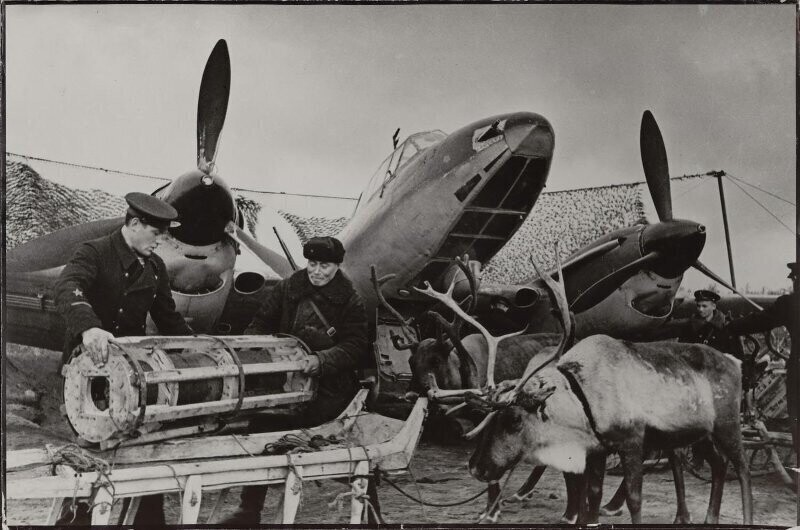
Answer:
(436, 197)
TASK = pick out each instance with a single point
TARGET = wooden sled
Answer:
(368, 441)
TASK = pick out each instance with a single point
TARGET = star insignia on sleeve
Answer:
(77, 292)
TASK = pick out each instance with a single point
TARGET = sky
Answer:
(317, 92)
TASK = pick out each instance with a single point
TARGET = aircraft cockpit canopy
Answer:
(401, 156)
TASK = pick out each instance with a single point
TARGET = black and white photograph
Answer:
(498, 263)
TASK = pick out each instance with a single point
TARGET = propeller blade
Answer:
(212, 104)
(55, 248)
(708, 272)
(605, 286)
(654, 162)
(271, 258)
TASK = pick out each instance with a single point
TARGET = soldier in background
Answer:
(782, 313)
(706, 326)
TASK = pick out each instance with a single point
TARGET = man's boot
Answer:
(249, 511)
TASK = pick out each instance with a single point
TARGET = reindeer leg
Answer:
(525, 492)
(492, 512)
(631, 457)
(682, 516)
(581, 490)
(614, 506)
(718, 466)
(573, 483)
(595, 472)
(730, 443)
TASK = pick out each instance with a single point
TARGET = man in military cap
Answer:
(318, 305)
(706, 326)
(784, 312)
(106, 290)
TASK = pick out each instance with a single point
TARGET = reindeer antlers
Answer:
(404, 324)
(447, 299)
(507, 392)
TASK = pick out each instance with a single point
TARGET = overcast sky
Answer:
(317, 92)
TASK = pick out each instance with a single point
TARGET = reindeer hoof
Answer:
(488, 519)
(682, 520)
(615, 512)
(566, 519)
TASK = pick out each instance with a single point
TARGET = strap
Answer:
(331, 331)
(578, 391)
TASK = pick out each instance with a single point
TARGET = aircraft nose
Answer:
(530, 139)
(678, 242)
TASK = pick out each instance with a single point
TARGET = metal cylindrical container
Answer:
(152, 383)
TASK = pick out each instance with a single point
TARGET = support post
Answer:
(719, 175)
(130, 509)
(192, 493)
(102, 501)
(291, 496)
(359, 488)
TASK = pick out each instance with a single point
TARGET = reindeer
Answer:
(443, 369)
(607, 395)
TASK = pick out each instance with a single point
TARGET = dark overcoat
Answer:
(286, 309)
(700, 331)
(784, 312)
(104, 285)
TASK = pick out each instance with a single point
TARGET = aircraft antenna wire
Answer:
(762, 190)
(764, 207)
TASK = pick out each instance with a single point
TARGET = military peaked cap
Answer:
(327, 249)
(151, 210)
(706, 296)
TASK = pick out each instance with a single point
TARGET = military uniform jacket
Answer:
(105, 286)
(699, 331)
(286, 309)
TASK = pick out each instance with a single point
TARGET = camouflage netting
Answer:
(574, 218)
(308, 227)
(35, 206)
(250, 210)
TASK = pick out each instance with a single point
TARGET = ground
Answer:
(438, 474)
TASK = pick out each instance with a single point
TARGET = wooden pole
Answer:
(719, 175)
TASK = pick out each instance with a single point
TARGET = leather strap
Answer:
(331, 331)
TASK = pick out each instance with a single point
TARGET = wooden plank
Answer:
(192, 493)
(359, 488)
(26, 457)
(213, 372)
(291, 496)
(184, 342)
(49, 487)
(55, 511)
(129, 513)
(234, 445)
(161, 413)
(212, 517)
(167, 434)
(206, 447)
(102, 502)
